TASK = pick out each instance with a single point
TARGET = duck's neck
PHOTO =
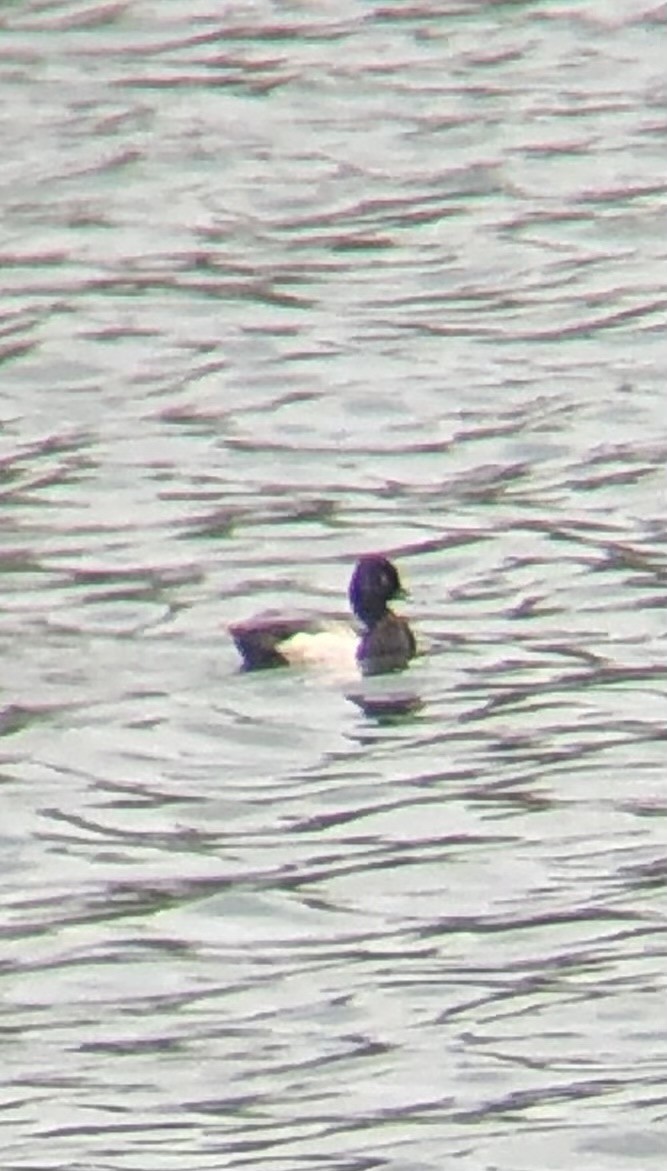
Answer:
(370, 616)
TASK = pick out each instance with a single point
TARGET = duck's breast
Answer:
(389, 646)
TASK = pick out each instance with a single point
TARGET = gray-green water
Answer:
(282, 283)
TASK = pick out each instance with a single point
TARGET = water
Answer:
(283, 284)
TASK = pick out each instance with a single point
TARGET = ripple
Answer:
(283, 287)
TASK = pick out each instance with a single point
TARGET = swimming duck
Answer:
(385, 643)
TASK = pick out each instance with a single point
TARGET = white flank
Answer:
(334, 649)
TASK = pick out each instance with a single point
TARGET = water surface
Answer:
(283, 284)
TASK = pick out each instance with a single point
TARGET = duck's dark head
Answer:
(375, 582)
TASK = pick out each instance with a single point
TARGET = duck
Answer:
(384, 642)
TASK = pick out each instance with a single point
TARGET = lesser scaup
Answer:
(385, 643)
